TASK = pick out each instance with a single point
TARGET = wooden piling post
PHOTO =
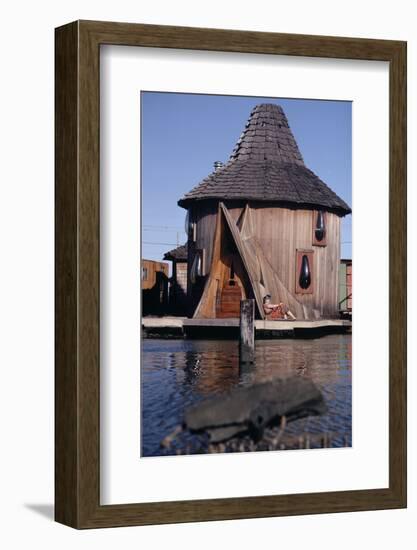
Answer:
(247, 331)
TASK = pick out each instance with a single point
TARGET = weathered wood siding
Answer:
(181, 276)
(178, 288)
(154, 284)
(150, 270)
(204, 215)
(280, 232)
(345, 285)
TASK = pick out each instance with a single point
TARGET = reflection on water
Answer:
(178, 373)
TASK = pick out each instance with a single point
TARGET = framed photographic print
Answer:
(230, 274)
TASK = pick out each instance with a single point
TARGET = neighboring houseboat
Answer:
(261, 224)
(178, 281)
(154, 287)
(345, 288)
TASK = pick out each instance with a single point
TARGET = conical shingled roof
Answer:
(266, 165)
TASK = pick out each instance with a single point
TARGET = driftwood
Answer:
(250, 410)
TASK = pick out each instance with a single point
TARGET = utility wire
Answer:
(165, 244)
(162, 228)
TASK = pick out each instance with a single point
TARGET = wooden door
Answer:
(229, 300)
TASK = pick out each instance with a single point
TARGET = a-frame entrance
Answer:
(229, 280)
(240, 270)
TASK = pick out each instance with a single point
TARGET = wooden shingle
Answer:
(266, 165)
(179, 254)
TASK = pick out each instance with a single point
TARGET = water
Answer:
(178, 373)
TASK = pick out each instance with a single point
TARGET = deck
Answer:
(180, 327)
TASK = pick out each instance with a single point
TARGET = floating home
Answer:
(263, 223)
(178, 281)
(154, 287)
(345, 288)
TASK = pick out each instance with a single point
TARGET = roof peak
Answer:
(267, 107)
(267, 136)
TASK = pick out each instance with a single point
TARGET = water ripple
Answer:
(178, 373)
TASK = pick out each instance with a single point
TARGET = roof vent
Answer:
(217, 164)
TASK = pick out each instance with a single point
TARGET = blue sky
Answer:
(183, 134)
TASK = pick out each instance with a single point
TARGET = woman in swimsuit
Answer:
(276, 311)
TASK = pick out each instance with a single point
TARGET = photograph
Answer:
(191, 195)
(246, 275)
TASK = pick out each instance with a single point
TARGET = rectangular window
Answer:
(144, 273)
(304, 273)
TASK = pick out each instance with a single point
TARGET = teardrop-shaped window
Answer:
(305, 275)
(187, 223)
(197, 267)
(320, 229)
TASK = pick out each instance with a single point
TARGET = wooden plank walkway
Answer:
(180, 326)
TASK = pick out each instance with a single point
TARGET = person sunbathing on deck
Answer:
(276, 311)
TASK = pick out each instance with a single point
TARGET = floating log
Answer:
(250, 410)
